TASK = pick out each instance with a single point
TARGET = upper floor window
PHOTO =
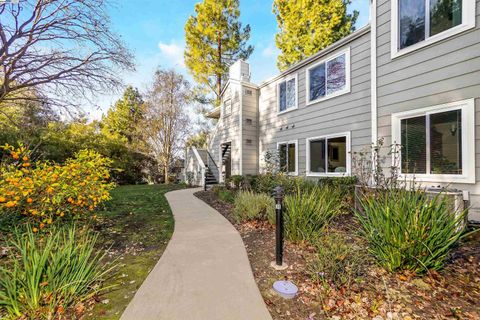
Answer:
(329, 78)
(287, 94)
(227, 107)
(436, 142)
(416, 23)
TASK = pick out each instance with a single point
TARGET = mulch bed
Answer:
(453, 293)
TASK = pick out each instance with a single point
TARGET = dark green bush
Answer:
(409, 230)
(226, 195)
(251, 206)
(308, 210)
(236, 181)
(336, 261)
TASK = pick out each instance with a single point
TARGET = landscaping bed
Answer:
(451, 293)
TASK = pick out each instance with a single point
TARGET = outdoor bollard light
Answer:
(278, 263)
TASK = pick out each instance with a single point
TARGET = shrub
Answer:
(45, 192)
(409, 230)
(224, 193)
(46, 275)
(308, 211)
(336, 261)
(237, 181)
(250, 206)
(265, 183)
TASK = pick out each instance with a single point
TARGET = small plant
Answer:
(308, 211)
(336, 261)
(190, 176)
(224, 194)
(250, 206)
(409, 229)
(47, 275)
(237, 181)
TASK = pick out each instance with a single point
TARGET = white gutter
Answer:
(373, 68)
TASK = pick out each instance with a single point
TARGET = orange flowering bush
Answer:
(45, 191)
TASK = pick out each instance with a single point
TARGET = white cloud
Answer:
(270, 51)
(172, 53)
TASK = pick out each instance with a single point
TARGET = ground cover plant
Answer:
(309, 210)
(47, 274)
(250, 206)
(409, 229)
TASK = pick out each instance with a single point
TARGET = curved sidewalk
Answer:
(204, 273)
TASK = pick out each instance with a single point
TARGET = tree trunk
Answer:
(165, 168)
(219, 75)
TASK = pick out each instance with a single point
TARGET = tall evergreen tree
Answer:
(124, 116)
(215, 40)
(307, 26)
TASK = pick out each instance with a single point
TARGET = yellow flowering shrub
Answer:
(45, 191)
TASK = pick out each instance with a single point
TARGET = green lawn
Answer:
(137, 224)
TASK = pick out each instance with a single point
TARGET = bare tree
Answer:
(61, 49)
(166, 121)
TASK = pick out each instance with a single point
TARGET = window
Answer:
(248, 92)
(287, 94)
(227, 107)
(329, 78)
(437, 142)
(288, 155)
(328, 155)
(416, 23)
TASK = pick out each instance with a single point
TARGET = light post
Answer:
(278, 264)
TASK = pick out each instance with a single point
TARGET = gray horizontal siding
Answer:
(442, 72)
(348, 112)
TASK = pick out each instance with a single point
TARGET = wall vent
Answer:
(249, 141)
(249, 122)
(248, 92)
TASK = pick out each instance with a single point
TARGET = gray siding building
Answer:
(411, 77)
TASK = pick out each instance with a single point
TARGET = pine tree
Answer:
(307, 26)
(215, 39)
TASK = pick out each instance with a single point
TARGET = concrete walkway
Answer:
(204, 273)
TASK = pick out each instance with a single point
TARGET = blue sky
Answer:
(153, 30)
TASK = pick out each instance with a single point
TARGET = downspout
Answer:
(373, 68)
(373, 85)
(241, 128)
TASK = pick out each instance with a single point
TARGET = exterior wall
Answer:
(194, 166)
(443, 72)
(349, 112)
(228, 130)
(250, 131)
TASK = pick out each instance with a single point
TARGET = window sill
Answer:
(396, 53)
(331, 96)
(440, 178)
(328, 174)
(286, 111)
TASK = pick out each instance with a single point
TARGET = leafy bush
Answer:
(250, 206)
(336, 261)
(265, 183)
(224, 193)
(409, 230)
(237, 181)
(45, 192)
(308, 211)
(47, 275)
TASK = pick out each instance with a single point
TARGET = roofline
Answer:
(353, 36)
(244, 83)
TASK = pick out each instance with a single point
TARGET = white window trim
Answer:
(324, 61)
(295, 142)
(468, 22)
(286, 79)
(468, 141)
(330, 174)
